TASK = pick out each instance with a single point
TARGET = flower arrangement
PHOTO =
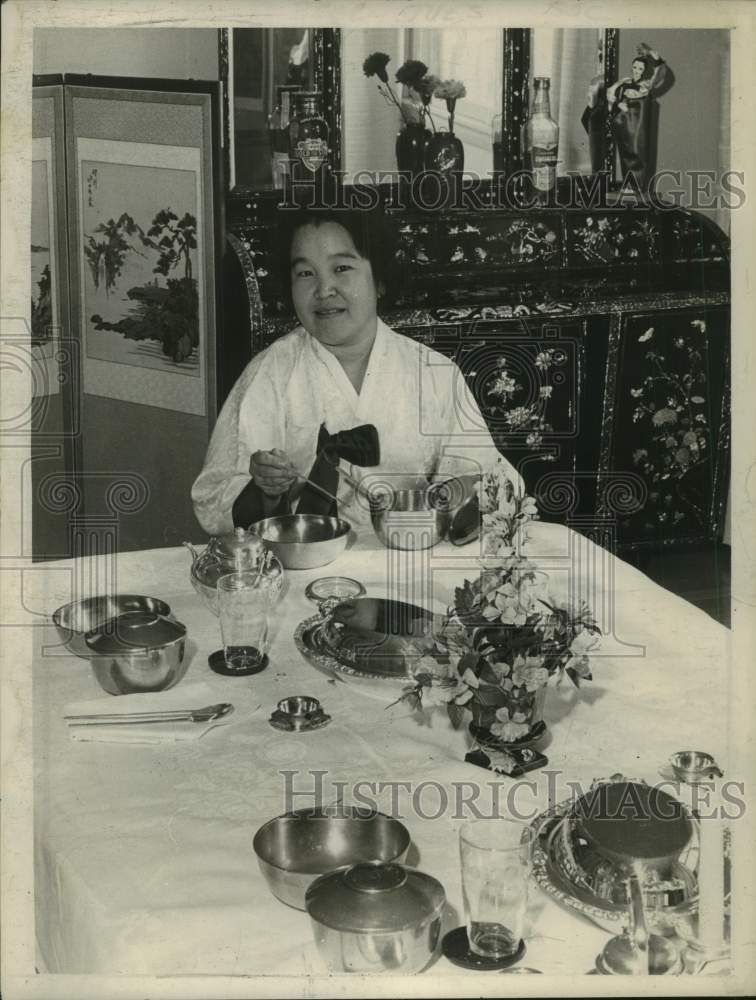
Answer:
(450, 91)
(375, 65)
(414, 75)
(504, 638)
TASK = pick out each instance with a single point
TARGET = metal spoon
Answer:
(523, 970)
(208, 714)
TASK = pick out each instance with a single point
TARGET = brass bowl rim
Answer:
(340, 526)
(345, 812)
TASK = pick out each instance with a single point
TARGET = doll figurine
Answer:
(629, 102)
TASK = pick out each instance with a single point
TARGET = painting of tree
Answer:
(106, 255)
(141, 262)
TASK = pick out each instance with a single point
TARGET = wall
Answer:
(369, 142)
(171, 53)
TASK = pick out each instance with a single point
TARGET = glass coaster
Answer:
(343, 587)
(217, 662)
(456, 947)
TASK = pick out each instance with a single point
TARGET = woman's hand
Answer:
(272, 471)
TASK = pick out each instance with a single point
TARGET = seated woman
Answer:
(342, 390)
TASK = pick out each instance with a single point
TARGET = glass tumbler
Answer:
(244, 603)
(496, 856)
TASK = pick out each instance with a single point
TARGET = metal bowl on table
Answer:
(304, 541)
(294, 849)
(376, 918)
(74, 620)
(410, 513)
(138, 652)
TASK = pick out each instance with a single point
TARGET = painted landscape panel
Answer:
(141, 265)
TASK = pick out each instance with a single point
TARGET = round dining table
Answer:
(144, 863)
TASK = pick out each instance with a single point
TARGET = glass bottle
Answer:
(541, 141)
(308, 133)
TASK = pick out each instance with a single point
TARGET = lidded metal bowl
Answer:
(376, 917)
(74, 620)
(240, 551)
(138, 651)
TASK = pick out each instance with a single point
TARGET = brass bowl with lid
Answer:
(138, 652)
(72, 621)
(375, 917)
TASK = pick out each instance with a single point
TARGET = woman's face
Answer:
(332, 286)
(639, 69)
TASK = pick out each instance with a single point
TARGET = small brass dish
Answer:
(693, 766)
(299, 714)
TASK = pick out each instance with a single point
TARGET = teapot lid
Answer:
(374, 896)
(239, 541)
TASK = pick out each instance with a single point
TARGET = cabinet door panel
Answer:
(539, 386)
(668, 425)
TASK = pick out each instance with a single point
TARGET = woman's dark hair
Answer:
(366, 229)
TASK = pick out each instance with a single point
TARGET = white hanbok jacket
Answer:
(427, 420)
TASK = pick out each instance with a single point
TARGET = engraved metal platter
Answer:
(594, 890)
(314, 638)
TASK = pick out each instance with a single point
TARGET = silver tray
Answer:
(564, 883)
(310, 638)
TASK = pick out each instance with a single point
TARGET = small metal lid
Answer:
(134, 630)
(374, 896)
(240, 545)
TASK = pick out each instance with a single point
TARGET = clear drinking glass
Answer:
(496, 857)
(244, 604)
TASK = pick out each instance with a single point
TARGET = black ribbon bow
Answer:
(358, 445)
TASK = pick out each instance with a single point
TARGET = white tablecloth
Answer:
(144, 860)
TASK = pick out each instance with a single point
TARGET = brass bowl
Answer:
(412, 515)
(304, 541)
(74, 620)
(138, 652)
(294, 849)
(376, 918)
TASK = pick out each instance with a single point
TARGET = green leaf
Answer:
(489, 695)
(464, 598)
(469, 661)
(456, 714)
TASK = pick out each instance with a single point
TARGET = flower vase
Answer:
(410, 148)
(445, 154)
(514, 710)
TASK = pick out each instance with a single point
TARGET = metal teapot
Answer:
(240, 551)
